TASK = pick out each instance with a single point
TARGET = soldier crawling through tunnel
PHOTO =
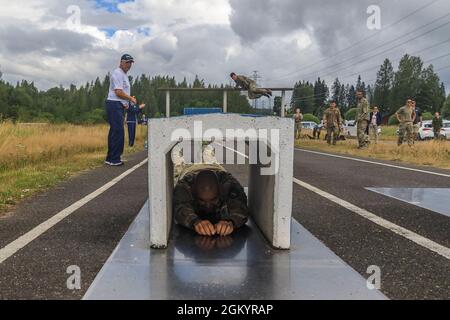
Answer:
(207, 198)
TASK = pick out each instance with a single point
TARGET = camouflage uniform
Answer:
(362, 122)
(406, 129)
(232, 204)
(332, 120)
(437, 125)
(298, 124)
(250, 85)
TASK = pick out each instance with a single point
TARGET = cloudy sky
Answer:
(54, 42)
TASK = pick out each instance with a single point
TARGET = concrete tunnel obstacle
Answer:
(267, 142)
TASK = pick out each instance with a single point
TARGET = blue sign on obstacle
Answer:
(192, 111)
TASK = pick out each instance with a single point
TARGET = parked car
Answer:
(351, 129)
(350, 123)
(446, 129)
(308, 124)
(426, 130)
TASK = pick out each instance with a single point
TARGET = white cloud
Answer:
(280, 39)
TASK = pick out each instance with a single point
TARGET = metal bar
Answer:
(217, 89)
(168, 103)
(225, 102)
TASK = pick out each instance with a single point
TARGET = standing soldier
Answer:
(246, 83)
(406, 115)
(298, 117)
(362, 119)
(437, 125)
(332, 121)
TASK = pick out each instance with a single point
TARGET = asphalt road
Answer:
(87, 237)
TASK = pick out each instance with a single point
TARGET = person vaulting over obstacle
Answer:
(246, 83)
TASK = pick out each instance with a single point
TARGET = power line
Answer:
(382, 52)
(405, 78)
(313, 97)
(398, 59)
(360, 41)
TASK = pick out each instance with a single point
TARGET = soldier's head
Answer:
(333, 104)
(409, 102)
(233, 76)
(206, 189)
(360, 93)
(437, 114)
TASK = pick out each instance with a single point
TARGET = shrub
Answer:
(350, 114)
(393, 120)
(427, 116)
(310, 117)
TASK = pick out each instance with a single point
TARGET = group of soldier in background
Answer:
(368, 122)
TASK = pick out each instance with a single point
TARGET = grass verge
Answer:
(34, 158)
(423, 153)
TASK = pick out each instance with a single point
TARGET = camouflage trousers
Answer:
(373, 130)
(255, 93)
(361, 131)
(416, 128)
(406, 133)
(182, 167)
(298, 130)
(332, 132)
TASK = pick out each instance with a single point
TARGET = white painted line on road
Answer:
(374, 162)
(31, 235)
(410, 235)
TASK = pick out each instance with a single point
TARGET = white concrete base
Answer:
(270, 186)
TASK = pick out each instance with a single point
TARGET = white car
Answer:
(426, 130)
(351, 129)
(308, 124)
(445, 131)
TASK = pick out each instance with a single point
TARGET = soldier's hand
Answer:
(205, 228)
(224, 228)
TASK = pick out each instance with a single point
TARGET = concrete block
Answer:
(269, 147)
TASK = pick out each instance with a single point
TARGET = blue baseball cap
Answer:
(127, 57)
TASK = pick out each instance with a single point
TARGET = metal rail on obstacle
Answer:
(225, 96)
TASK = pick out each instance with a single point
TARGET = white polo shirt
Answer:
(119, 80)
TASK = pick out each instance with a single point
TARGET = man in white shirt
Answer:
(119, 97)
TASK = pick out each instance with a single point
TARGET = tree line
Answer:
(86, 104)
(389, 93)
